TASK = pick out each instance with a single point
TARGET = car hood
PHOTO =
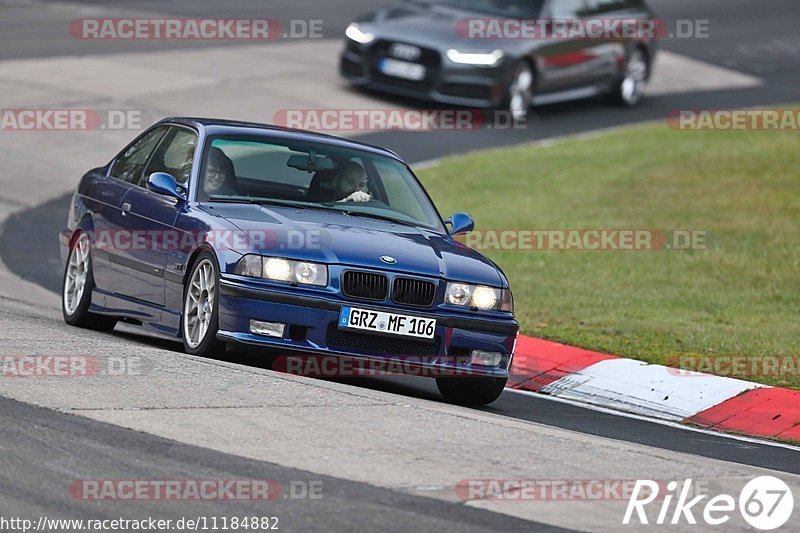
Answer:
(429, 25)
(338, 238)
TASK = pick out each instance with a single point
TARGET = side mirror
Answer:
(165, 184)
(461, 223)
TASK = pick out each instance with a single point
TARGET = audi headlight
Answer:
(479, 296)
(279, 269)
(355, 33)
(482, 59)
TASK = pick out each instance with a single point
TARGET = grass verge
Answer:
(740, 298)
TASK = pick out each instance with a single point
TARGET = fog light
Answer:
(478, 357)
(267, 329)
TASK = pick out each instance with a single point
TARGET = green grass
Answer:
(740, 298)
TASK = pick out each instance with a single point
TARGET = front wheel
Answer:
(629, 91)
(200, 321)
(471, 391)
(78, 283)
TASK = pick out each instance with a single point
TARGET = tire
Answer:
(629, 90)
(200, 317)
(77, 286)
(471, 391)
(519, 93)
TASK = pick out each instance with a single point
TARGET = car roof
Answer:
(234, 127)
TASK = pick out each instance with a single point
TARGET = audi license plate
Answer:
(402, 69)
(387, 323)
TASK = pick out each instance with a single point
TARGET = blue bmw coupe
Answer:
(231, 233)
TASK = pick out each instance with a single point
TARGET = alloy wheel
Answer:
(199, 303)
(77, 274)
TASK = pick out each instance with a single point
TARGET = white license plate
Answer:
(402, 69)
(387, 323)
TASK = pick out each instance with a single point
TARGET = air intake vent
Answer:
(349, 341)
(413, 292)
(365, 285)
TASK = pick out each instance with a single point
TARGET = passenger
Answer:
(220, 175)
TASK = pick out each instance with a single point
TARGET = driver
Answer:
(351, 183)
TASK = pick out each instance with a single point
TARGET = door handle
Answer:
(126, 207)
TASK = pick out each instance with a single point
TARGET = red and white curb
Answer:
(655, 391)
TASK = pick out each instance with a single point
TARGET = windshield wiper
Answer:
(378, 217)
(333, 206)
(259, 201)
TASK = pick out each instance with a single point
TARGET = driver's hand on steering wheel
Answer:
(358, 196)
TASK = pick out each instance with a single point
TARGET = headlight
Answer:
(355, 33)
(485, 297)
(483, 59)
(479, 296)
(278, 269)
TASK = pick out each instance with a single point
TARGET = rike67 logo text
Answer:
(765, 503)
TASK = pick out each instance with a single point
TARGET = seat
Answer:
(322, 187)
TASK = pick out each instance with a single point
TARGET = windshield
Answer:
(304, 174)
(503, 8)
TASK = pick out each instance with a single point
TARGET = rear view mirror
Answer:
(305, 162)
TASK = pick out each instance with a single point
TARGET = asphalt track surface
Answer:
(33, 442)
(757, 38)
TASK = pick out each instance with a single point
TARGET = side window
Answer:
(128, 167)
(567, 9)
(174, 156)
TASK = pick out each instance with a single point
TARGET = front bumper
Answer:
(312, 328)
(445, 82)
